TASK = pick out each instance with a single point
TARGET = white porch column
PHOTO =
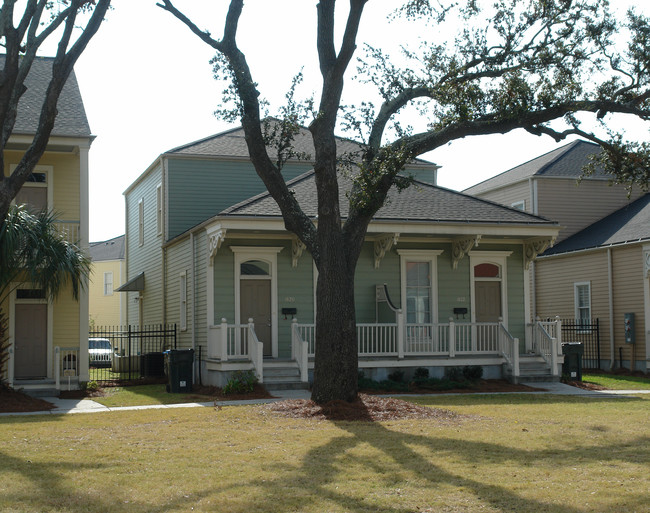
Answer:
(400, 333)
(84, 221)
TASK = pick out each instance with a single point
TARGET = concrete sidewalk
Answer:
(63, 406)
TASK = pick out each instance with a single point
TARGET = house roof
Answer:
(565, 162)
(71, 120)
(629, 224)
(420, 202)
(112, 249)
(232, 143)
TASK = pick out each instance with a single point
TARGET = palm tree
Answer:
(32, 250)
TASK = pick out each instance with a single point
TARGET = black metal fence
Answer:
(129, 353)
(586, 331)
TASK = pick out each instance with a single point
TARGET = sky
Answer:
(147, 86)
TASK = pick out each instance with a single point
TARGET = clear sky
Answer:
(147, 86)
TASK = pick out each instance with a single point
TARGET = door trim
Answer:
(269, 255)
(499, 258)
(13, 300)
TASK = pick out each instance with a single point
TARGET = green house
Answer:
(441, 281)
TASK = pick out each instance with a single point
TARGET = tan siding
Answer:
(65, 330)
(627, 270)
(577, 206)
(511, 194)
(555, 279)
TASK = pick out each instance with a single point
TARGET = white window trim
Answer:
(270, 256)
(49, 182)
(159, 210)
(141, 222)
(110, 291)
(182, 289)
(519, 205)
(576, 303)
(499, 258)
(13, 301)
(418, 255)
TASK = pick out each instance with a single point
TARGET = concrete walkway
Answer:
(89, 406)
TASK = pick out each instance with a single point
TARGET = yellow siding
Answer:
(577, 206)
(627, 271)
(65, 330)
(511, 194)
(106, 310)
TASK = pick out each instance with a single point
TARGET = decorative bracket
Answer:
(215, 240)
(383, 244)
(461, 246)
(297, 247)
(535, 247)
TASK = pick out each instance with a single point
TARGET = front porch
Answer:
(384, 346)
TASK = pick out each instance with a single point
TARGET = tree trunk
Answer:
(336, 362)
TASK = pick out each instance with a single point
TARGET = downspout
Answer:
(612, 351)
(163, 168)
(193, 292)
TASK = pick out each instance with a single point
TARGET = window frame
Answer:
(48, 185)
(141, 222)
(519, 205)
(431, 257)
(159, 210)
(182, 290)
(106, 282)
(577, 307)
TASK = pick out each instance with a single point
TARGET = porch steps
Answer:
(283, 375)
(533, 368)
(37, 387)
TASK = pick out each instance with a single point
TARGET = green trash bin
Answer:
(572, 366)
(178, 365)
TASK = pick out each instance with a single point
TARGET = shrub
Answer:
(88, 386)
(472, 372)
(421, 374)
(454, 374)
(241, 382)
(396, 376)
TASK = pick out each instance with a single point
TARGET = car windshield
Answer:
(99, 344)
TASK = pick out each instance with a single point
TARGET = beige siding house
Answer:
(106, 306)
(597, 267)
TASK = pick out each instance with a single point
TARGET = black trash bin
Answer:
(572, 366)
(178, 365)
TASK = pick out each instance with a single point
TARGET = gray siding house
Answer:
(440, 281)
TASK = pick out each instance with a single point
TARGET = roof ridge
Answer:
(566, 150)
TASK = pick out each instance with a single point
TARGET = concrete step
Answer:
(297, 385)
(281, 372)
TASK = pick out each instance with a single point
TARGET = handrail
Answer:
(509, 347)
(255, 351)
(546, 345)
(299, 351)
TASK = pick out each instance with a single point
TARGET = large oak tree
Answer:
(25, 28)
(513, 64)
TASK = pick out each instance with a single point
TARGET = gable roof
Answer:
(112, 249)
(629, 224)
(71, 120)
(232, 143)
(420, 202)
(566, 162)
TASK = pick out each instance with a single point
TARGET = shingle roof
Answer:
(420, 202)
(629, 224)
(566, 161)
(71, 120)
(232, 143)
(112, 249)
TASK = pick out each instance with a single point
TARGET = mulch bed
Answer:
(216, 393)
(482, 386)
(12, 401)
(367, 408)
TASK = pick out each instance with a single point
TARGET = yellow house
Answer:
(49, 340)
(106, 306)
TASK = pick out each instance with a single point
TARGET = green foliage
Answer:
(420, 374)
(241, 382)
(89, 386)
(397, 376)
(454, 373)
(472, 372)
(455, 378)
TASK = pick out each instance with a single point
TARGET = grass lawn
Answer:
(519, 453)
(618, 381)
(139, 395)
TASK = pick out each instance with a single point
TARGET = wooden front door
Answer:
(255, 303)
(488, 301)
(30, 341)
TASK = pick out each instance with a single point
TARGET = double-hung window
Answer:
(108, 283)
(582, 298)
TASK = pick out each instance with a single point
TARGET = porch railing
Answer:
(300, 350)
(236, 342)
(69, 230)
(66, 364)
(547, 342)
(509, 348)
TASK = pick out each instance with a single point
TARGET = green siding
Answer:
(178, 260)
(200, 189)
(454, 287)
(148, 257)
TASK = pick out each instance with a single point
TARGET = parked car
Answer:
(100, 352)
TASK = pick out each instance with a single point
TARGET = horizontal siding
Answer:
(511, 194)
(200, 189)
(65, 330)
(178, 260)
(627, 272)
(576, 206)
(148, 257)
(105, 310)
(200, 288)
